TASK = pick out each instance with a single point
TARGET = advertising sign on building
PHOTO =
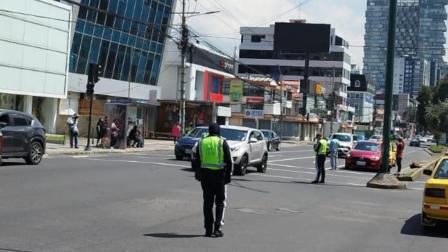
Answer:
(236, 90)
(255, 100)
(254, 113)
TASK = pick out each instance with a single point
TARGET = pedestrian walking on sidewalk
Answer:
(176, 132)
(214, 173)
(321, 153)
(99, 126)
(73, 127)
(113, 134)
(399, 154)
(104, 132)
(334, 145)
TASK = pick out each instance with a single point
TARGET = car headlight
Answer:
(236, 148)
(376, 158)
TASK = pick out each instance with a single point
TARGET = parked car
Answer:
(376, 138)
(185, 144)
(435, 198)
(345, 143)
(247, 146)
(22, 136)
(357, 138)
(414, 142)
(368, 155)
(272, 140)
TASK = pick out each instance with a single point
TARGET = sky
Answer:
(222, 29)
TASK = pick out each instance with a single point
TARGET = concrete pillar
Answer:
(28, 104)
(49, 112)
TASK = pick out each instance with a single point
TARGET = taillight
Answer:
(435, 192)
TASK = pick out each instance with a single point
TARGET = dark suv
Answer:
(21, 136)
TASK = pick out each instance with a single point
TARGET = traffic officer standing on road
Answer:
(214, 173)
(321, 153)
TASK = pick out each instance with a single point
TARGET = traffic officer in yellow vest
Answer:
(214, 173)
(321, 152)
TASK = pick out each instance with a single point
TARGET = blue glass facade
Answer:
(127, 50)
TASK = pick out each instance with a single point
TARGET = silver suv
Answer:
(247, 146)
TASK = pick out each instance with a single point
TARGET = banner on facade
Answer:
(254, 113)
(236, 90)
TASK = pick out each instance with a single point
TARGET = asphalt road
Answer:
(151, 202)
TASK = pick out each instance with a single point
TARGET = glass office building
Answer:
(419, 36)
(128, 50)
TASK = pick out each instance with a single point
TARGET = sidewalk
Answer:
(150, 145)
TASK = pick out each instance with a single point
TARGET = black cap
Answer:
(214, 129)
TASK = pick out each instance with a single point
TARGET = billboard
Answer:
(302, 37)
(236, 90)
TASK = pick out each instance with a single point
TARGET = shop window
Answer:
(257, 38)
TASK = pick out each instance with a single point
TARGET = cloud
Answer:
(222, 29)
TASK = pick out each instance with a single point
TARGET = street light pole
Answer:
(389, 85)
(183, 45)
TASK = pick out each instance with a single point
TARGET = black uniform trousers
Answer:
(321, 168)
(214, 192)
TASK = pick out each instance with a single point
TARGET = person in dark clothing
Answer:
(99, 133)
(321, 154)
(214, 173)
(399, 154)
(131, 136)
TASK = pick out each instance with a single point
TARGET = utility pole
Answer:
(305, 87)
(389, 85)
(183, 47)
(333, 100)
(280, 78)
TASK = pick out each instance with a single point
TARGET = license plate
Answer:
(434, 207)
(360, 163)
(188, 151)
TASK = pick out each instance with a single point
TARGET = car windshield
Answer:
(342, 138)
(266, 134)
(358, 138)
(234, 135)
(198, 132)
(442, 170)
(366, 146)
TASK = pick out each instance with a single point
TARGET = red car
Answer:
(368, 155)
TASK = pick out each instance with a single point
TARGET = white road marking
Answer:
(309, 168)
(290, 159)
(138, 162)
(83, 156)
(296, 151)
(313, 173)
(302, 178)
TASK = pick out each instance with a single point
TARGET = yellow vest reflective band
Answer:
(212, 153)
(323, 147)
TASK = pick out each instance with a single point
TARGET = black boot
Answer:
(218, 233)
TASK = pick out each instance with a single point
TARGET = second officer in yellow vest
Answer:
(214, 173)
(321, 153)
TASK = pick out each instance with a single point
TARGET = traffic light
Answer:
(94, 72)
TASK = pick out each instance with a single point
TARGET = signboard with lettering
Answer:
(255, 100)
(236, 90)
(254, 113)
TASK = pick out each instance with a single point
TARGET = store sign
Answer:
(236, 90)
(224, 64)
(255, 113)
(255, 100)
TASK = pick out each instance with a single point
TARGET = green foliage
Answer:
(437, 119)
(424, 98)
(441, 91)
(437, 149)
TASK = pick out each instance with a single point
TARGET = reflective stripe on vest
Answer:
(323, 147)
(212, 153)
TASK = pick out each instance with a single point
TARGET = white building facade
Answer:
(34, 54)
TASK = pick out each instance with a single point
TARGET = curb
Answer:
(385, 181)
(417, 173)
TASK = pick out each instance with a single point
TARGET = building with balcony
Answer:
(205, 90)
(361, 95)
(331, 70)
(420, 39)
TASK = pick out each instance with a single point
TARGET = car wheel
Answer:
(179, 157)
(263, 166)
(35, 155)
(242, 167)
(427, 223)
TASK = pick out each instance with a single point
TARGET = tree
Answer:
(437, 119)
(424, 99)
(441, 91)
